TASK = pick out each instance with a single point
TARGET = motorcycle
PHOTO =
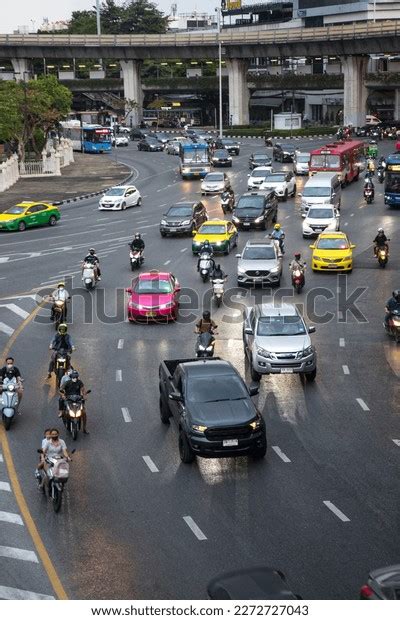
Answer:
(56, 477)
(9, 402)
(382, 254)
(136, 259)
(227, 201)
(392, 327)
(88, 276)
(72, 415)
(205, 265)
(369, 195)
(381, 175)
(205, 345)
(61, 364)
(59, 308)
(298, 279)
(279, 243)
(218, 290)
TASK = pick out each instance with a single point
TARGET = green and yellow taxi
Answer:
(28, 214)
(332, 251)
(221, 234)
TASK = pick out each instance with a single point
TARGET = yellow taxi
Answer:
(221, 234)
(28, 214)
(332, 251)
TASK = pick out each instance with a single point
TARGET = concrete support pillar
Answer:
(355, 92)
(133, 89)
(239, 95)
(396, 113)
(21, 69)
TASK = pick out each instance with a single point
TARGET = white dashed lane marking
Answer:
(195, 528)
(15, 594)
(362, 404)
(5, 486)
(118, 375)
(121, 343)
(16, 309)
(167, 262)
(19, 554)
(126, 415)
(6, 329)
(397, 442)
(346, 370)
(150, 464)
(342, 342)
(281, 454)
(10, 517)
(183, 249)
(336, 511)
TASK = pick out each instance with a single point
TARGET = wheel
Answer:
(294, 189)
(52, 220)
(397, 339)
(228, 249)
(261, 451)
(21, 226)
(123, 206)
(298, 289)
(139, 202)
(57, 499)
(204, 278)
(88, 286)
(163, 234)
(74, 431)
(59, 375)
(7, 422)
(254, 374)
(275, 218)
(218, 301)
(285, 197)
(264, 225)
(310, 376)
(185, 451)
(164, 413)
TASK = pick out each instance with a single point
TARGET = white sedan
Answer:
(257, 176)
(214, 183)
(120, 141)
(119, 198)
(324, 218)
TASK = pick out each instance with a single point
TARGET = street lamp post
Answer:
(98, 17)
(218, 11)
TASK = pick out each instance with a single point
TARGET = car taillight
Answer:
(366, 592)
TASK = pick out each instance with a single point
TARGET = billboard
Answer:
(316, 4)
(231, 5)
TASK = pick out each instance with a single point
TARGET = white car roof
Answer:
(261, 169)
(277, 310)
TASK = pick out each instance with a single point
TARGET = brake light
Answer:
(366, 592)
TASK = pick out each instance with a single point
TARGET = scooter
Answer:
(298, 279)
(88, 276)
(218, 290)
(369, 195)
(392, 327)
(205, 345)
(61, 363)
(55, 478)
(59, 312)
(72, 415)
(227, 201)
(136, 259)
(381, 175)
(205, 266)
(279, 243)
(9, 402)
(382, 254)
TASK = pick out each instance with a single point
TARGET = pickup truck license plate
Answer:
(230, 442)
(287, 371)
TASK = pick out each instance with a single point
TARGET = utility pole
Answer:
(218, 11)
(98, 17)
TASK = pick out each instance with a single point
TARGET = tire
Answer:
(139, 202)
(57, 499)
(88, 286)
(7, 422)
(123, 206)
(218, 301)
(254, 374)
(275, 218)
(204, 278)
(285, 197)
(21, 226)
(310, 376)
(74, 432)
(52, 220)
(259, 453)
(164, 413)
(185, 451)
(397, 340)
(228, 249)
(294, 190)
(59, 376)
(163, 234)
(263, 226)
(298, 289)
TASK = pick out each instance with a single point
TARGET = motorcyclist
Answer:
(369, 185)
(229, 194)
(75, 387)
(371, 166)
(9, 371)
(297, 263)
(93, 259)
(137, 244)
(381, 241)
(60, 294)
(205, 324)
(382, 162)
(206, 248)
(61, 402)
(217, 273)
(392, 304)
(54, 447)
(278, 235)
(61, 341)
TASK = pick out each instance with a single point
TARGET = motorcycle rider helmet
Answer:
(62, 329)
(74, 375)
(138, 236)
(277, 227)
(92, 251)
(61, 285)
(380, 230)
(297, 255)
(396, 295)
(206, 315)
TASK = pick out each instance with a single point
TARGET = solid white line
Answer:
(16, 309)
(4, 486)
(342, 342)
(10, 517)
(167, 262)
(336, 511)
(15, 594)
(346, 370)
(1, 458)
(183, 249)
(397, 442)
(19, 554)
(118, 375)
(195, 528)
(362, 404)
(281, 454)
(6, 329)
(121, 343)
(125, 413)
(340, 315)
(150, 464)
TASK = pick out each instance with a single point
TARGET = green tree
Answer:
(82, 22)
(130, 16)
(142, 17)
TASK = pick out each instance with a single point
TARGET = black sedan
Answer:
(251, 584)
(182, 218)
(221, 157)
(232, 146)
(150, 144)
(283, 152)
(259, 159)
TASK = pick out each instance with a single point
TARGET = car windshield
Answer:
(151, 139)
(303, 159)
(316, 192)
(180, 211)
(265, 252)
(275, 178)
(280, 326)
(115, 191)
(15, 210)
(261, 156)
(215, 388)
(221, 153)
(214, 176)
(290, 148)
(259, 173)
(332, 244)
(321, 214)
(325, 161)
(153, 287)
(250, 202)
(212, 229)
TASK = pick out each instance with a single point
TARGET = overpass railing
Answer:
(228, 37)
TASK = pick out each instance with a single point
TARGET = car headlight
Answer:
(255, 424)
(169, 304)
(306, 226)
(229, 158)
(348, 257)
(274, 270)
(317, 258)
(185, 223)
(199, 428)
(259, 219)
(197, 242)
(308, 351)
(163, 223)
(218, 242)
(263, 353)
(133, 304)
(235, 219)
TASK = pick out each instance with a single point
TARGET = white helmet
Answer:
(380, 230)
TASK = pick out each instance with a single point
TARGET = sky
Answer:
(31, 13)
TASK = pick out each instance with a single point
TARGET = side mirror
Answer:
(312, 247)
(352, 246)
(175, 396)
(249, 175)
(238, 255)
(248, 330)
(303, 215)
(311, 329)
(39, 451)
(129, 291)
(177, 288)
(253, 390)
(299, 194)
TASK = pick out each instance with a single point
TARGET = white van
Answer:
(322, 188)
(301, 162)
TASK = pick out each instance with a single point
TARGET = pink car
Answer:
(154, 295)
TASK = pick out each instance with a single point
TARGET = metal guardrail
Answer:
(228, 37)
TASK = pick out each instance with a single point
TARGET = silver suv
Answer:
(259, 263)
(276, 340)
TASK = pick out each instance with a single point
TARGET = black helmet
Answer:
(138, 236)
(206, 242)
(206, 315)
(297, 255)
(218, 267)
(74, 374)
(92, 251)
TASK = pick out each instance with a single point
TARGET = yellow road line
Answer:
(19, 496)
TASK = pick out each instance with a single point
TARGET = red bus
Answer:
(343, 157)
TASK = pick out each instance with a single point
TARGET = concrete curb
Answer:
(91, 195)
(283, 137)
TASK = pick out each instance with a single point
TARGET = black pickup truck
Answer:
(212, 408)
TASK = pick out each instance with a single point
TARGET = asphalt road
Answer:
(322, 506)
